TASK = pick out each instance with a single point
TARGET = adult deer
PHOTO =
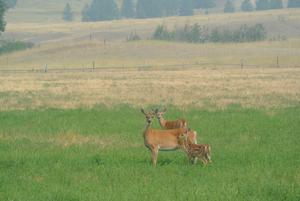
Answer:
(179, 123)
(156, 140)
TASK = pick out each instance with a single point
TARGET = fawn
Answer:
(195, 151)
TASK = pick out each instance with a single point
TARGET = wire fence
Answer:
(170, 67)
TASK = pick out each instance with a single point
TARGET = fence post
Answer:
(277, 62)
(242, 63)
(46, 68)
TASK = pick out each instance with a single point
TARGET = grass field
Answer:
(75, 136)
(98, 154)
(187, 87)
(77, 44)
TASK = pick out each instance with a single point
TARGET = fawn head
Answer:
(182, 139)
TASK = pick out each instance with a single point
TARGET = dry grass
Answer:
(69, 45)
(119, 54)
(196, 87)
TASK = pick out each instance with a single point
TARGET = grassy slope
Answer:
(62, 44)
(43, 11)
(98, 154)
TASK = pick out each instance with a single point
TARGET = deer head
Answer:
(149, 115)
(160, 114)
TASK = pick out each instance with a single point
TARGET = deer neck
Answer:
(162, 122)
(147, 128)
(187, 145)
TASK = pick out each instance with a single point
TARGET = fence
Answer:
(184, 66)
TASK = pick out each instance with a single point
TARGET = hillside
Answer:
(62, 44)
(51, 11)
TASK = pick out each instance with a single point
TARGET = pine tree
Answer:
(229, 7)
(204, 3)
(100, 10)
(148, 9)
(2, 12)
(127, 9)
(10, 3)
(294, 4)
(262, 5)
(186, 8)
(170, 7)
(67, 14)
(276, 4)
(85, 13)
(247, 6)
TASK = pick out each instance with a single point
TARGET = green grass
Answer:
(56, 154)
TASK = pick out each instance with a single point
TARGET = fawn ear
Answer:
(156, 110)
(143, 111)
(165, 109)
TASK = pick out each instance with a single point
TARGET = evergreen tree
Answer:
(247, 6)
(294, 4)
(67, 14)
(100, 10)
(204, 3)
(229, 7)
(170, 7)
(2, 12)
(127, 9)
(276, 4)
(148, 9)
(186, 8)
(10, 3)
(85, 13)
(262, 5)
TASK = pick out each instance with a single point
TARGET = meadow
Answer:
(75, 136)
(77, 44)
(98, 154)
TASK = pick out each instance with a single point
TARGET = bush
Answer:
(133, 37)
(12, 46)
(229, 7)
(201, 34)
(247, 6)
(161, 33)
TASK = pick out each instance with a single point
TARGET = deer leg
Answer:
(154, 153)
(195, 160)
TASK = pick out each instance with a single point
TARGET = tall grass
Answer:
(47, 155)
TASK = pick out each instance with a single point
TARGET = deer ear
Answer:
(156, 110)
(165, 109)
(143, 111)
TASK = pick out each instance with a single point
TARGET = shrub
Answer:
(133, 37)
(12, 46)
(200, 34)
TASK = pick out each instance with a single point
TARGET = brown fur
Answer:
(156, 140)
(180, 123)
(195, 151)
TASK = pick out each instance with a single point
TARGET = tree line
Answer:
(99, 10)
(4, 6)
(260, 5)
(196, 33)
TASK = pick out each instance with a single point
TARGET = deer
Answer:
(195, 151)
(156, 140)
(180, 123)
